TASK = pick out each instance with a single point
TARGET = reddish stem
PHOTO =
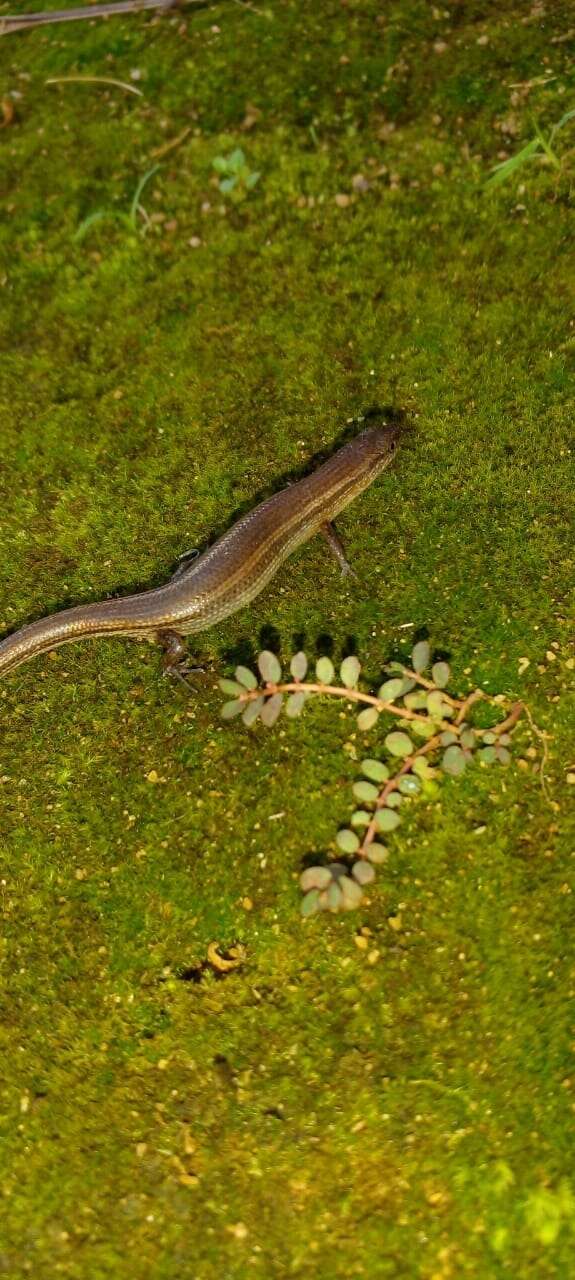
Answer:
(353, 695)
(428, 684)
(391, 785)
(516, 711)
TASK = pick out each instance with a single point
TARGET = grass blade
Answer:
(502, 172)
(137, 193)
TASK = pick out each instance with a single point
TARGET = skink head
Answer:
(375, 446)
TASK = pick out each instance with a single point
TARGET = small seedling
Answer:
(540, 147)
(130, 219)
(434, 734)
(236, 177)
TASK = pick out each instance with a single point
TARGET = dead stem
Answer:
(543, 737)
(20, 22)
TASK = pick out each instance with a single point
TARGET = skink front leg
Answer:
(184, 562)
(334, 543)
(176, 656)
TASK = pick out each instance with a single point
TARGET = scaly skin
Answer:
(228, 575)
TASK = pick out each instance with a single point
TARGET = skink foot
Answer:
(176, 658)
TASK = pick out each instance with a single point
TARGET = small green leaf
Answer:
(360, 818)
(377, 853)
(220, 164)
(430, 788)
(422, 767)
(271, 709)
(503, 755)
(350, 671)
(231, 709)
(387, 819)
(269, 667)
(325, 670)
(246, 677)
(295, 704)
(468, 739)
(251, 180)
(393, 800)
(435, 704)
(409, 786)
(391, 690)
(448, 738)
(375, 770)
(315, 878)
(298, 666)
(453, 761)
(440, 674)
(236, 158)
(347, 840)
(351, 893)
(363, 872)
(416, 701)
(231, 686)
(227, 185)
(423, 728)
(253, 710)
(334, 896)
(420, 656)
(310, 903)
(489, 739)
(366, 719)
(398, 743)
(365, 791)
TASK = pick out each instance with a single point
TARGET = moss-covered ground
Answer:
(403, 1110)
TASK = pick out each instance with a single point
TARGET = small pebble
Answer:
(359, 182)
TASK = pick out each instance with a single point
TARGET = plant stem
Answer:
(509, 723)
(20, 22)
(391, 785)
(353, 695)
(469, 701)
(428, 684)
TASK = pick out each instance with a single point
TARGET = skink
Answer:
(229, 574)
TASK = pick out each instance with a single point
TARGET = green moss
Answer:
(402, 1111)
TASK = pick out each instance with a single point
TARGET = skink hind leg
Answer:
(176, 657)
(334, 543)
